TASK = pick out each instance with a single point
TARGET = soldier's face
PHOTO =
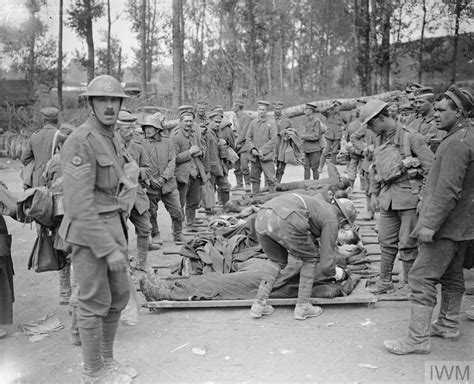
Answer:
(201, 109)
(187, 123)
(377, 125)
(216, 121)
(126, 132)
(262, 111)
(445, 116)
(422, 105)
(149, 131)
(336, 108)
(278, 110)
(106, 109)
(235, 108)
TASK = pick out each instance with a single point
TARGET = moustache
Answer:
(109, 112)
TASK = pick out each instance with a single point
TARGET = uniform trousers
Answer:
(171, 202)
(141, 222)
(268, 169)
(311, 163)
(438, 262)
(331, 148)
(190, 193)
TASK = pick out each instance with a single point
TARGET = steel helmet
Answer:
(347, 208)
(151, 121)
(104, 85)
(371, 109)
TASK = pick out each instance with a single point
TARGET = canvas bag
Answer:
(44, 257)
(37, 204)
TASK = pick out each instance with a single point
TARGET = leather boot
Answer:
(304, 308)
(447, 324)
(177, 225)
(65, 285)
(384, 284)
(418, 339)
(190, 216)
(248, 183)
(91, 338)
(260, 306)
(142, 253)
(255, 188)
(153, 289)
(155, 243)
(271, 188)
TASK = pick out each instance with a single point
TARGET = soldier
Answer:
(190, 173)
(363, 142)
(40, 146)
(261, 138)
(291, 223)
(241, 167)
(163, 187)
(410, 92)
(95, 225)
(200, 110)
(311, 136)
(336, 124)
(139, 216)
(282, 122)
(401, 162)
(407, 114)
(355, 152)
(217, 141)
(444, 229)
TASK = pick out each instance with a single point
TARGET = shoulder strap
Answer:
(112, 156)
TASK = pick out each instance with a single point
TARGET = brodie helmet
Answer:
(104, 85)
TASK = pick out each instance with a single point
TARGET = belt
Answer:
(108, 215)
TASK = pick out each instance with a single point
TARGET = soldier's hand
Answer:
(155, 184)
(116, 261)
(425, 235)
(254, 152)
(194, 149)
(161, 181)
(374, 202)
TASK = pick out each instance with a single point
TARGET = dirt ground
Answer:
(343, 345)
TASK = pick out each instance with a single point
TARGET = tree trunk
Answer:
(181, 53)
(421, 43)
(281, 64)
(143, 60)
(385, 47)
(89, 41)
(230, 40)
(372, 11)
(109, 28)
(251, 48)
(362, 43)
(119, 65)
(60, 57)
(177, 68)
(454, 58)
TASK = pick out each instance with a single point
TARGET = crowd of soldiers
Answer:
(425, 200)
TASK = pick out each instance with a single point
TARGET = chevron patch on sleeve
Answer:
(77, 171)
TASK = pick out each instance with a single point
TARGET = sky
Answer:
(13, 12)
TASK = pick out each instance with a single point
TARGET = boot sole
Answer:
(398, 352)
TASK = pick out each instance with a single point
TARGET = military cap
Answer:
(187, 113)
(201, 102)
(217, 108)
(278, 104)
(263, 102)
(224, 123)
(50, 113)
(126, 117)
(311, 105)
(336, 101)
(185, 107)
(423, 92)
(213, 114)
(239, 102)
(461, 97)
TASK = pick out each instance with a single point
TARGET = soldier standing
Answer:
(163, 187)
(282, 122)
(139, 216)
(40, 146)
(336, 124)
(261, 138)
(201, 118)
(401, 164)
(242, 123)
(444, 229)
(190, 173)
(311, 136)
(95, 225)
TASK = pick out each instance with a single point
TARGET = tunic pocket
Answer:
(106, 175)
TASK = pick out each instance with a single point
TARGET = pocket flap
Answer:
(104, 160)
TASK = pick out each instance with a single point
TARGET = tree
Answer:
(30, 51)
(60, 57)
(362, 43)
(116, 57)
(143, 33)
(177, 53)
(81, 15)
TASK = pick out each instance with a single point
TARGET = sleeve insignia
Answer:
(76, 160)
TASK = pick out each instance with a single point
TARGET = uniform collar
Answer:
(460, 124)
(107, 131)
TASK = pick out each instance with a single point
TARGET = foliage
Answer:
(79, 14)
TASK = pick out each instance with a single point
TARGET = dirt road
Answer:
(343, 345)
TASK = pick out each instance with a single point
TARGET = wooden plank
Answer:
(374, 257)
(359, 295)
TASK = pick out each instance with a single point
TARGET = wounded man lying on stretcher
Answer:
(246, 274)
